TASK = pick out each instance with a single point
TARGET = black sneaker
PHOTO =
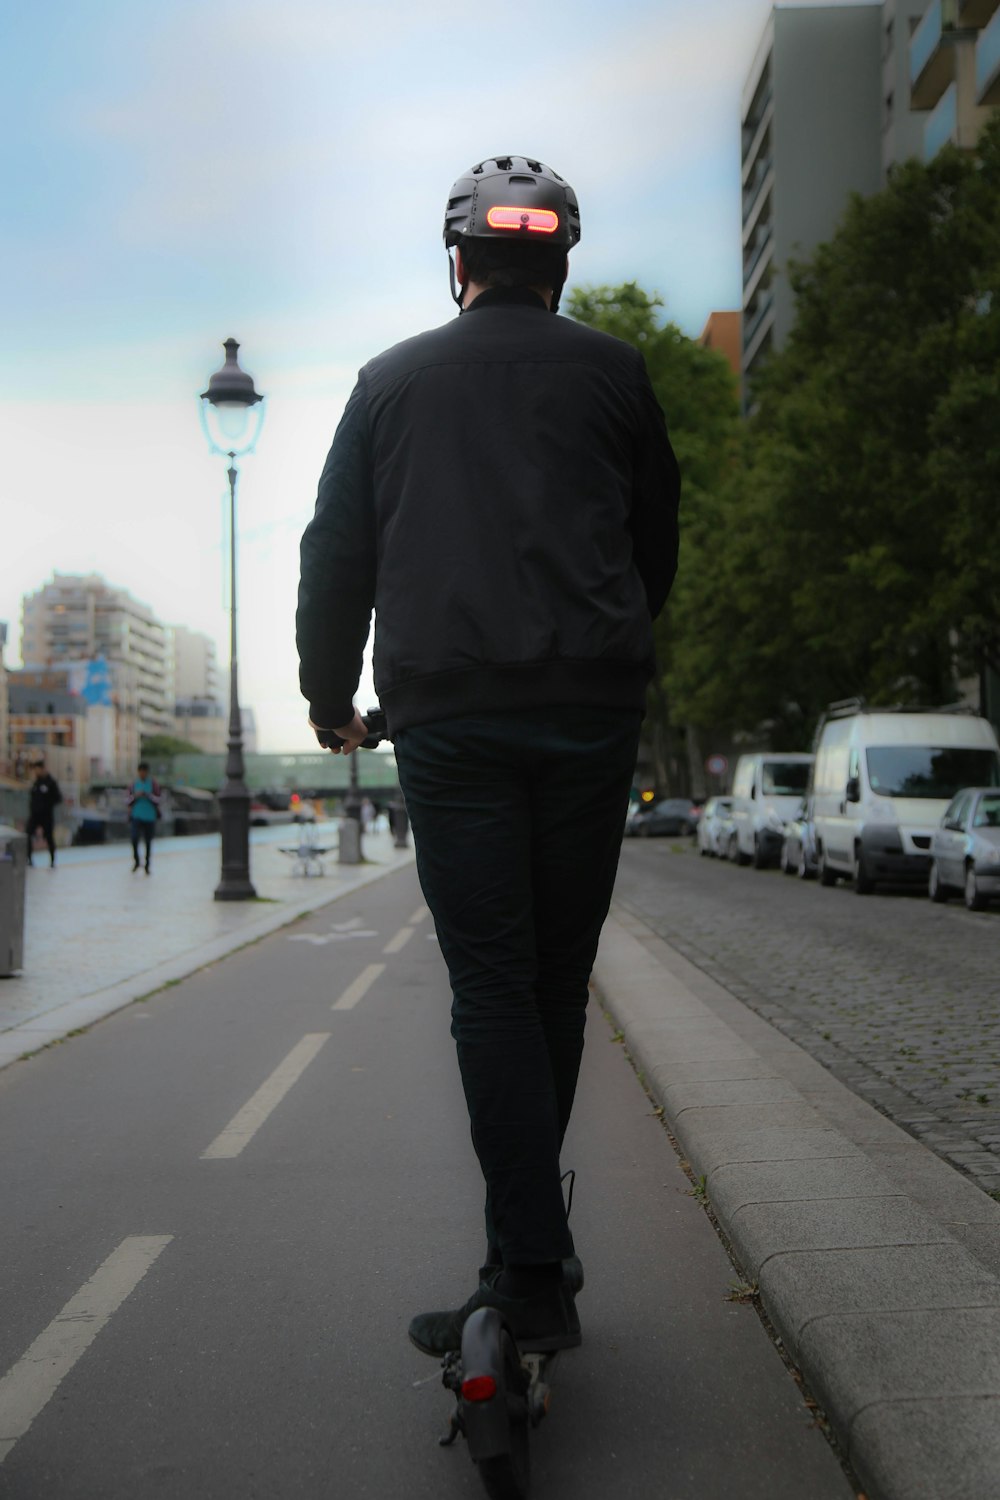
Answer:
(540, 1324)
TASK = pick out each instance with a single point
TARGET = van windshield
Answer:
(923, 771)
(784, 778)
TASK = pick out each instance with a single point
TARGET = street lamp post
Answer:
(232, 413)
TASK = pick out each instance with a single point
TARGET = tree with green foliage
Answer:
(697, 391)
(164, 746)
(857, 547)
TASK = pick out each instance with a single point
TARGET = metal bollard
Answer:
(13, 860)
(349, 850)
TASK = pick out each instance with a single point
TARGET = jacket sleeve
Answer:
(656, 490)
(337, 578)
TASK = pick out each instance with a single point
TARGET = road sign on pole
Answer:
(717, 765)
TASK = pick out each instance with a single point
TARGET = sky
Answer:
(176, 174)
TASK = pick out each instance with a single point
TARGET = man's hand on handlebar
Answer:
(350, 735)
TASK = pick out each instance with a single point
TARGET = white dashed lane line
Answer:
(419, 915)
(245, 1124)
(399, 941)
(29, 1385)
(358, 988)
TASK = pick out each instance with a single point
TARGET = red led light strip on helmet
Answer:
(540, 220)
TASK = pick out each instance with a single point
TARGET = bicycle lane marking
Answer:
(399, 941)
(31, 1383)
(358, 988)
(247, 1121)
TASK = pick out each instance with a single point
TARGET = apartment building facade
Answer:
(811, 125)
(902, 126)
(836, 97)
(200, 715)
(79, 617)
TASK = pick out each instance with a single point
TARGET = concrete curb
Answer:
(55, 1025)
(894, 1322)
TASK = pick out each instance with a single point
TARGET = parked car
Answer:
(715, 826)
(767, 790)
(883, 781)
(965, 849)
(671, 815)
(798, 849)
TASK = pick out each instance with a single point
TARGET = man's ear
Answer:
(460, 272)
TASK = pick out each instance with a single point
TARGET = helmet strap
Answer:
(456, 293)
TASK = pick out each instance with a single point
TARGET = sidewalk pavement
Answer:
(98, 936)
(877, 1262)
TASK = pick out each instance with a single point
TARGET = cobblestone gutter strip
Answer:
(893, 1323)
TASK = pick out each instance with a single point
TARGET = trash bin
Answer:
(13, 861)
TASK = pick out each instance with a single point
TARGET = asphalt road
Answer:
(899, 998)
(222, 1205)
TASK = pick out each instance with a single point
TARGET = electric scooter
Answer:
(501, 1393)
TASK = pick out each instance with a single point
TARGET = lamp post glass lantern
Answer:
(232, 413)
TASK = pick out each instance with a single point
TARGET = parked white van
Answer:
(767, 790)
(882, 782)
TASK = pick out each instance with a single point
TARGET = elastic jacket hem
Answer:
(498, 689)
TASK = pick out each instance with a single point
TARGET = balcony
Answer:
(988, 63)
(759, 143)
(754, 186)
(754, 253)
(976, 12)
(942, 126)
(753, 121)
(753, 324)
(932, 52)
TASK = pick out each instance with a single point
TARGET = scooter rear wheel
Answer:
(507, 1476)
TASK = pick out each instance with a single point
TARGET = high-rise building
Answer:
(5, 757)
(837, 96)
(902, 129)
(811, 117)
(78, 617)
(200, 717)
(194, 663)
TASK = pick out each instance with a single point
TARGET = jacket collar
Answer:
(507, 296)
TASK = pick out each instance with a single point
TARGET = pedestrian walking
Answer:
(144, 809)
(43, 799)
(502, 491)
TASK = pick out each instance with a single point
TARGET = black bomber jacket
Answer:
(502, 491)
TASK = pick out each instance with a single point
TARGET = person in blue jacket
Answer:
(144, 809)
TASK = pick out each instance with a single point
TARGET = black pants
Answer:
(142, 828)
(43, 825)
(518, 822)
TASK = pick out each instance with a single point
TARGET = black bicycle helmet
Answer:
(513, 199)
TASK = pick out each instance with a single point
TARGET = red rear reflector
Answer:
(479, 1388)
(541, 220)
